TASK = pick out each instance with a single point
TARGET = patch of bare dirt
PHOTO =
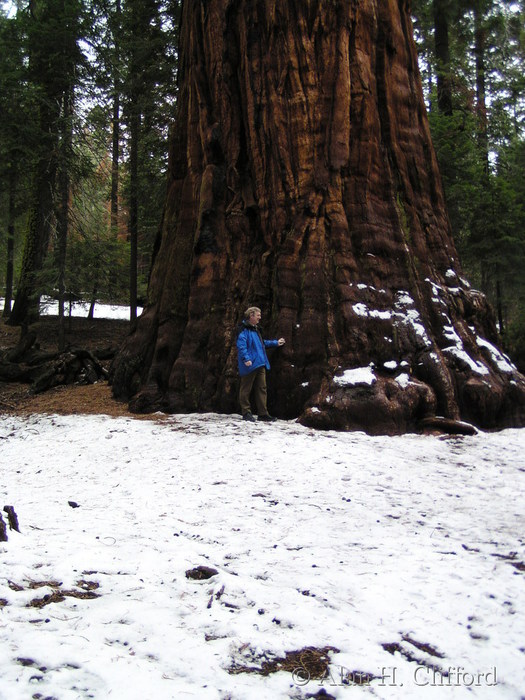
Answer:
(314, 662)
(96, 335)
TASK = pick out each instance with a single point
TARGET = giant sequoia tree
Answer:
(302, 179)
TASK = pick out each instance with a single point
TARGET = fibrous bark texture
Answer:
(302, 180)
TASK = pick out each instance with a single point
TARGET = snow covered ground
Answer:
(49, 307)
(404, 554)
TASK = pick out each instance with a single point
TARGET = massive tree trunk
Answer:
(303, 181)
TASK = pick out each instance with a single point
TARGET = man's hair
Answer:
(251, 310)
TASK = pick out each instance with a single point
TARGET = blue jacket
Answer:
(251, 346)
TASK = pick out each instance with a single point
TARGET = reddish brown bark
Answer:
(303, 181)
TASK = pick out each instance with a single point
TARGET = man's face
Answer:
(255, 317)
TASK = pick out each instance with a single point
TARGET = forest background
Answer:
(88, 91)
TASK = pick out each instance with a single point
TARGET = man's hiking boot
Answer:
(267, 418)
(249, 417)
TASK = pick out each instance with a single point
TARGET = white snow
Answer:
(361, 286)
(404, 298)
(410, 316)
(458, 351)
(413, 318)
(501, 361)
(384, 315)
(450, 334)
(475, 365)
(49, 307)
(437, 290)
(319, 539)
(356, 376)
(403, 380)
(360, 309)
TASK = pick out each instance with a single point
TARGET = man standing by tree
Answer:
(253, 363)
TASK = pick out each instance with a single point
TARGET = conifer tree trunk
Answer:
(10, 257)
(25, 308)
(115, 125)
(115, 164)
(133, 220)
(63, 210)
(53, 29)
(481, 98)
(490, 278)
(302, 179)
(442, 48)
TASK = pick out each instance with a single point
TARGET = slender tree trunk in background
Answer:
(430, 85)
(499, 305)
(115, 167)
(487, 271)
(481, 102)
(115, 158)
(115, 144)
(26, 306)
(9, 274)
(302, 179)
(133, 221)
(138, 28)
(91, 311)
(53, 29)
(442, 48)
(63, 212)
(116, 25)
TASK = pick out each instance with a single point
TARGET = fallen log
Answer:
(448, 425)
(25, 343)
(12, 372)
(78, 366)
(74, 367)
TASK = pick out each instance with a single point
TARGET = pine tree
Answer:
(486, 66)
(147, 45)
(16, 137)
(53, 30)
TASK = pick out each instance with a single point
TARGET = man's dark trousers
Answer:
(255, 380)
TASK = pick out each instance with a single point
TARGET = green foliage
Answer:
(515, 341)
(17, 131)
(486, 205)
(510, 219)
(461, 167)
(147, 47)
(123, 51)
(97, 261)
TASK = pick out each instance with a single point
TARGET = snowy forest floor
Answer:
(90, 334)
(338, 565)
